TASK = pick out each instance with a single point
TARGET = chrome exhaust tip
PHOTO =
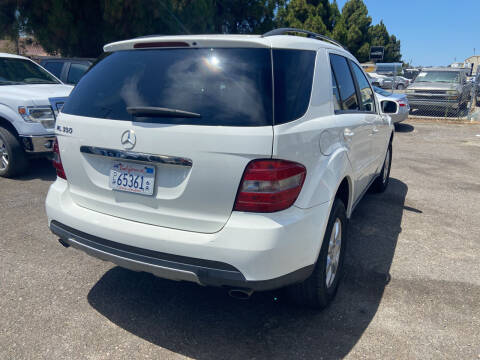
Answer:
(65, 244)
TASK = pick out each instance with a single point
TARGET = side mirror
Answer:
(389, 107)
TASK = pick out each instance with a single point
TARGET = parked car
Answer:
(477, 88)
(68, 70)
(394, 105)
(440, 89)
(30, 98)
(209, 161)
(376, 79)
(395, 82)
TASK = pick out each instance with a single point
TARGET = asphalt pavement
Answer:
(411, 288)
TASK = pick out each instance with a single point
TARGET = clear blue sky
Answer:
(432, 32)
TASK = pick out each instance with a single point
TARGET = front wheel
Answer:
(318, 290)
(381, 182)
(400, 87)
(13, 160)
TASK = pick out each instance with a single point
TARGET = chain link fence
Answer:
(449, 93)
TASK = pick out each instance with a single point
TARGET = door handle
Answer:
(375, 130)
(348, 134)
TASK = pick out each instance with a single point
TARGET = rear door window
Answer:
(336, 96)
(76, 72)
(366, 92)
(346, 86)
(293, 76)
(226, 86)
(55, 67)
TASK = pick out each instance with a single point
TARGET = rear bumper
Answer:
(252, 251)
(179, 268)
(38, 144)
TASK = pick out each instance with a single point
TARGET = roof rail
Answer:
(311, 35)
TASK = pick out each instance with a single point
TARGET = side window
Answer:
(55, 67)
(366, 93)
(75, 72)
(346, 86)
(293, 78)
(336, 95)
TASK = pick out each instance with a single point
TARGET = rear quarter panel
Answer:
(316, 141)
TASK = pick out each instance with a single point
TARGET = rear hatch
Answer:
(190, 119)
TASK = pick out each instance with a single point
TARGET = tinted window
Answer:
(55, 67)
(336, 95)
(225, 86)
(293, 76)
(75, 72)
(366, 93)
(19, 71)
(346, 87)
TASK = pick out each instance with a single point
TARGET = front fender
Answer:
(22, 127)
(11, 116)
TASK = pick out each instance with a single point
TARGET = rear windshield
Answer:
(226, 86)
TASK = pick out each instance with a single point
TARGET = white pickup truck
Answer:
(30, 98)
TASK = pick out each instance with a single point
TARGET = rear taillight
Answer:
(401, 104)
(269, 185)
(57, 161)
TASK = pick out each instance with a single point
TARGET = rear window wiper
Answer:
(152, 111)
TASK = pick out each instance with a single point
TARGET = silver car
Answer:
(395, 82)
(395, 105)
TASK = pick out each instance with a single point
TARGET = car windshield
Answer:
(23, 72)
(381, 91)
(438, 76)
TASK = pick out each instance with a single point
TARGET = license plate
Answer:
(131, 177)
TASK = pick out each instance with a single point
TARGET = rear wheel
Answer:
(400, 87)
(381, 182)
(319, 289)
(13, 160)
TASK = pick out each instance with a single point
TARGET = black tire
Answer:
(400, 87)
(381, 182)
(13, 160)
(314, 292)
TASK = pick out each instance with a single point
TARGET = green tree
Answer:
(82, 27)
(244, 16)
(352, 29)
(379, 36)
(313, 15)
(10, 22)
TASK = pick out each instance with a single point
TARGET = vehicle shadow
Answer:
(204, 323)
(404, 128)
(39, 169)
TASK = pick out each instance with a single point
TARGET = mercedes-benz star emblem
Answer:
(129, 139)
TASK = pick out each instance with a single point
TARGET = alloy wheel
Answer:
(3, 155)
(334, 250)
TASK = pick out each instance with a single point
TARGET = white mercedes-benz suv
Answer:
(225, 160)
